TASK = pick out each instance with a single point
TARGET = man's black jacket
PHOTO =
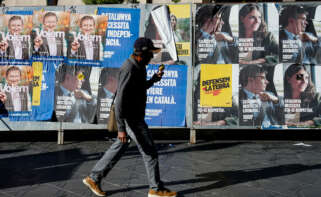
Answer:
(131, 95)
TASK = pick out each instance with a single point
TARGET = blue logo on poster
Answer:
(121, 33)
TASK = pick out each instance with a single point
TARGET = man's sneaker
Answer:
(93, 186)
(161, 193)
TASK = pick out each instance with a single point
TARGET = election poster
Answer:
(216, 34)
(86, 39)
(76, 93)
(158, 28)
(259, 104)
(15, 42)
(299, 33)
(121, 33)
(180, 20)
(316, 22)
(258, 34)
(16, 91)
(43, 94)
(302, 95)
(49, 35)
(106, 92)
(166, 100)
(216, 96)
(216, 85)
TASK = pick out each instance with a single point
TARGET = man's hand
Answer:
(219, 36)
(264, 96)
(305, 37)
(38, 42)
(3, 46)
(75, 45)
(80, 94)
(122, 136)
(157, 76)
(3, 97)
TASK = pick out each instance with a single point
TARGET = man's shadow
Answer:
(222, 179)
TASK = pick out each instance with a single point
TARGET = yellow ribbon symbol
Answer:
(81, 76)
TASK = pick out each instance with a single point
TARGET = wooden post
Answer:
(192, 136)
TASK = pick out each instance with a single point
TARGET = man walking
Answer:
(130, 112)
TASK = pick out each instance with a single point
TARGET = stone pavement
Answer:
(221, 168)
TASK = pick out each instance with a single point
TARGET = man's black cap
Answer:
(143, 45)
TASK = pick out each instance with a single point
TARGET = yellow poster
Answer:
(37, 79)
(180, 22)
(216, 85)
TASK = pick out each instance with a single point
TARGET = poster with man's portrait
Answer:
(299, 33)
(15, 41)
(216, 34)
(16, 90)
(76, 93)
(106, 93)
(50, 30)
(86, 38)
(260, 105)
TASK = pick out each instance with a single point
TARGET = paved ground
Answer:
(221, 168)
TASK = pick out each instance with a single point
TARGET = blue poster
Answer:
(166, 100)
(122, 31)
(43, 89)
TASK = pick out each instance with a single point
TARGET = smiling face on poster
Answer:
(257, 43)
(302, 101)
(87, 37)
(15, 87)
(15, 36)
(49, 33)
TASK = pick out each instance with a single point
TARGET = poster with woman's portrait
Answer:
(258, 34)
(180, 20)
(158, 28)
(50, 30)
(301, 95)
(86, 38)
(15, 42)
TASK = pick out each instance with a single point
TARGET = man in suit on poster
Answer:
(80, 105)
(210, 22)
(49, 42)
(106, 92)
(258, 107)
(15, 45)
(293, 21)
(86, 45)
(14, 96)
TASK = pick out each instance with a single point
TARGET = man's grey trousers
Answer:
(138, 131)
